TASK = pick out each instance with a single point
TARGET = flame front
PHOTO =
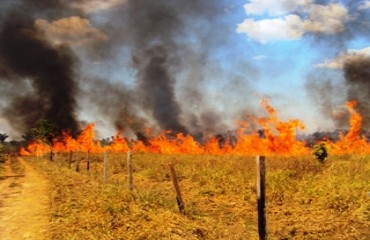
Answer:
(352, 142)
(278, 138)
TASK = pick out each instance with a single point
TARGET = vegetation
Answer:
(3, 137)
(305, 199)
(320, 152)
(44, 131)
(6, 147)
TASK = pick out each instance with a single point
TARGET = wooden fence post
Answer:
(261, 197)
(51, 153)
(88, 162)
(78, 159)
(130, 171)
(70, 159)
(105, 166)
(175, 182)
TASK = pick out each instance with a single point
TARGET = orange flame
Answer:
(352, 142)
(278, 138)
(24, 152)
(119, 144)
(36, 148)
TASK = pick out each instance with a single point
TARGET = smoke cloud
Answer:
(169, 44)
(346, 77)
(357, 75)
(57, 60)
(42, 75)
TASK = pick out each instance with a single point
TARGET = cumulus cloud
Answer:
(72, 30)
(299, 17)
(364, 5)
(91, 6)
(345, 57)
(267, 30)
(326, 19)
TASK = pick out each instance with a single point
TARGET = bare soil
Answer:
(24, 202)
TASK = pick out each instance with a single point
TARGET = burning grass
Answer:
(278, 139)
(305, 199)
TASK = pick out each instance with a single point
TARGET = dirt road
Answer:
(24, 202)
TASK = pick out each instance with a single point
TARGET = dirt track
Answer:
(24, 202)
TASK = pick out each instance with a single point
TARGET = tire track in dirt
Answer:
(24, 202)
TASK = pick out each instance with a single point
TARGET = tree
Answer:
(3, 137)
(44, 131)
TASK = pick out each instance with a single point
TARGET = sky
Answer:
(195, 67)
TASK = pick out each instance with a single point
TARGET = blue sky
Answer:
(266, 48)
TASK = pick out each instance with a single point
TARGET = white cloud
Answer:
(364, 5)
(266, 30)
(274, 8)
(309, 18)
(72, 30)
(342, 58)
(91, 6)
(326, 19)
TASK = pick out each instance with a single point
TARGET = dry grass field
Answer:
(305, 199)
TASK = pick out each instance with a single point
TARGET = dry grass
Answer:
(305, 199)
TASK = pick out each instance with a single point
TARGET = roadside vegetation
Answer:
(306, 199)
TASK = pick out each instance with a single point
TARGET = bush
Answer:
(320, 152)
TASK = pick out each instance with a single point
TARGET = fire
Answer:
(275, 137)
(24, 152)
(86, 140)
(119, 144)
(70, 144)
(352, 142)
(164, 144)
(36, 148)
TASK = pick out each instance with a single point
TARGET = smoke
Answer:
(159, 53)
(156, 83)
(328, 96)
(169, 44)
(55, 54)
(329, 91)
(357, 75)
(42, 75)
(346, 77)
(119, 105)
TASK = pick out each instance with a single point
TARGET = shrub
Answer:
(320, 152)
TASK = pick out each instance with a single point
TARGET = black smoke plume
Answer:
(357, 75)
(165, 49)
(41, 74)
(157, 85)
(155, 34)
(156, 28)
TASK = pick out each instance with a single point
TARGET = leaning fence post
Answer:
(130, 170)
(175, 182)
(261, 197)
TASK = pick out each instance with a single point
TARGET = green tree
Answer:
(44, 131)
